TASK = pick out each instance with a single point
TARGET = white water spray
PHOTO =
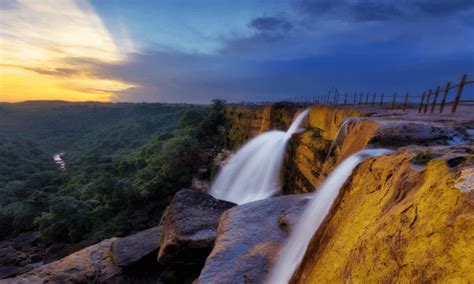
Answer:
(340, 135)
(314, 214)
(253, 173)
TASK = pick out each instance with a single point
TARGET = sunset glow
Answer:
(178, 51)
(40, 44)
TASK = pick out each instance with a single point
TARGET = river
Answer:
(59, 160)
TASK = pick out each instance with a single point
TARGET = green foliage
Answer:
(124, 162)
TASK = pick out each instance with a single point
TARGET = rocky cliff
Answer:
(404, 218)
(244, 123)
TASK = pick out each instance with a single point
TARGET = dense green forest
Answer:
(124, 162)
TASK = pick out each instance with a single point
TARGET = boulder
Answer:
(59, 250)
(137, 253)
(116, 260)
(249, 237)
(188, 232)
(92, 264)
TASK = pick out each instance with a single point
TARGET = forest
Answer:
(124, 162)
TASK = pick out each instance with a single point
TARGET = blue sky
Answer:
(197, 50)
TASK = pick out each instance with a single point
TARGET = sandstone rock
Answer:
(116, 260)
(394, 222)
(249, 121)
(132, 249)
(90, 265)
(27, 252)
(403, 133)
(466, 180)
(60, 250)
(188, 230)
(249, 238)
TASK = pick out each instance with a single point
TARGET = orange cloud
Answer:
(37, 39)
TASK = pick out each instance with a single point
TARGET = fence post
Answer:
(367, 99)
(360, 98)
(337, 98)
(405, 103)
(445, 95)
(355, 98)
(373, 99)
(345, 99)
(435, 99)
(421, 103)
(427, 101)
(394, 99)
(458, 93)
(381, 99)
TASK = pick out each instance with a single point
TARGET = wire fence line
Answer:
(430, 101)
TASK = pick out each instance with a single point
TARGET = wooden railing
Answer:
(427, 102)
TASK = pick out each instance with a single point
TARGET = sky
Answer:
(193, 51)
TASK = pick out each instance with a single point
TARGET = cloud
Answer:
(37, 38)
(380, 10)
(271, 24)
(361, 10)
(303, 51)
(197, 78)
(354, 45)
(8, 4)
(56, 72)
(439, 7)
(373, 11)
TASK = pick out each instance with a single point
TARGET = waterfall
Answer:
(322, 200)
(59, 160)
(340, 135)
(253, 173)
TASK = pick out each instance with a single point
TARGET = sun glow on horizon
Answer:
(39, 41)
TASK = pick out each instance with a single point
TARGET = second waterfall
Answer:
(253, 173)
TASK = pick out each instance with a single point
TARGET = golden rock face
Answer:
(407, 217)
(249, 121)
(309, 161)
(396, 222)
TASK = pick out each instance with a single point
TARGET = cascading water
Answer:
(295, 248)
(340, 135)
(253, 173)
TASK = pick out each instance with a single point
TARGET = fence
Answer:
(427, 102)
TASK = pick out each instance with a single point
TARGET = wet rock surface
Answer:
(131, 250)
(248, 239)
(400, 218)
(334, 134)
(403, 133)
(189, 227)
